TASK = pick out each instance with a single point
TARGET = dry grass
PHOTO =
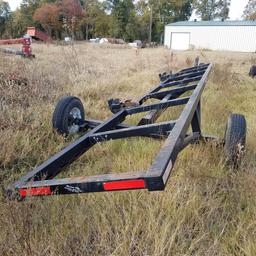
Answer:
(206, 209)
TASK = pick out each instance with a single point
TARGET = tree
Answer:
(127, 19)
(72, 13)
(5, 14)
(96, 22)
(102, 26)
(250, 10)
(156, 14)
(122, 12)
(17, 23)
(172, 11)
(48, 15)
(4, 9)
(143, 19)
(27, 9)
(212, 9)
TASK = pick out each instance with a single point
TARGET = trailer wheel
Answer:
(235, 139)
(68, 113)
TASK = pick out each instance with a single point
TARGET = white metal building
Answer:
(239, 36)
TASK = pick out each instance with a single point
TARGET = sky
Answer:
(236, 8)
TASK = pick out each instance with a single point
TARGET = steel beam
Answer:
(157, 106)
(166, 158)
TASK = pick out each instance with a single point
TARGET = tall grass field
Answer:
(206, 208)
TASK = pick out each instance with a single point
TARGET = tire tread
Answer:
(61, 111)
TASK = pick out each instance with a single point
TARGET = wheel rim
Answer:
(73, 121)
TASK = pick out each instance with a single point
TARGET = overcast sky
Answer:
(236, 8)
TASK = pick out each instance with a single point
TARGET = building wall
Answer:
(228, 38)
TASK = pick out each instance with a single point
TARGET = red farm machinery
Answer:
(25, 51)
(38, 35)
(26, 41)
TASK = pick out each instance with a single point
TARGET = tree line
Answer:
(126, 19)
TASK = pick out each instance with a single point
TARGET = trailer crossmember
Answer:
(42, 181)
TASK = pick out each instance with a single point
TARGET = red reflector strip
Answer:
(35, 191)
(125, 184)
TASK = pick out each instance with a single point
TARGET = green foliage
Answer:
(123, 13)
(85, 19)
(250, 10)
(163, 12)
(95, 22)
(212, 9)
(18, 24)
(27, 9)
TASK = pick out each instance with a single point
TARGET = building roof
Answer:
(215, 23)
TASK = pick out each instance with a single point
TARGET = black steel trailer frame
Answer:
(40, 181)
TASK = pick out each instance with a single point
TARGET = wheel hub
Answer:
(73, 123)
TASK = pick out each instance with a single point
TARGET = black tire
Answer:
(67, 114)
(235, 139)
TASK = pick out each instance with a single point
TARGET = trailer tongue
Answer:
(69, 118)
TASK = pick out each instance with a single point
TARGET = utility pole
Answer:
(150, 25)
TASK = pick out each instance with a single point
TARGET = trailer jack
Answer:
(69, 117)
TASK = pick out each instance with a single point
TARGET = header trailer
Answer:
(69, 118)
